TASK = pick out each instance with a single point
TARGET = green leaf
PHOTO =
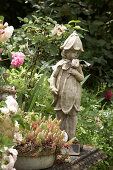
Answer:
(21, 127)
(20, 19)
(26, 20)
(2, 149)
(5, 140)
(2, 18)
(85, 79)
(19, 119)
(73, 21)
(0, 137)
(27, 126)
(33, 118)
(35, 94)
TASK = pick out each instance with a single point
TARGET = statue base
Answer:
(89, 156)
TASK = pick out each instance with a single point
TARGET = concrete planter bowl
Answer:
(34, 163)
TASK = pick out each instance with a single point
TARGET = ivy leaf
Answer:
(5, 140)
(19, 119)
(20, 19)
(73, 21)
(27, 126)
(33, 118)
(2, 149)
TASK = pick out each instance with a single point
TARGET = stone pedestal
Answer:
(88, 157)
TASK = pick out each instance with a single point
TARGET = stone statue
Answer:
(65, 84)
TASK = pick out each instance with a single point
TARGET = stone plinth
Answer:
(88, 157)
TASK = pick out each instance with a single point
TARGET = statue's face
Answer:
(70, 54)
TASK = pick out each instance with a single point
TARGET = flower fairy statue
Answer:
(65, 85)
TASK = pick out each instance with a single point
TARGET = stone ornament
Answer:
(65, 84)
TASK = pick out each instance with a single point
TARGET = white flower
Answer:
(4, 110)
(10, 160)
(14, 153)
(58, 29)
(5, 24)
(9, 31)
(65, 136)
(17, 138)
(75, 63)
(13, 109)
(16, 126)
(12, 104)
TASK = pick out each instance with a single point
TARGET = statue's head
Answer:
(72, 47)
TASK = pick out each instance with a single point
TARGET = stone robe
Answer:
(68, 85)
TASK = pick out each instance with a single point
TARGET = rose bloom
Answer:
(17, 138)
(58, 29)
(5, 24)
(0, 50)
(18, 59)
(16, 126)
(9, 158)
(12, 104)
(10, 161)
(14, 153)
(109, 94)
(8, 31)
(4, 110)
(75, 63)
(2, 31)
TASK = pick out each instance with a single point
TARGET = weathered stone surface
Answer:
(87, 158)
(6, 91)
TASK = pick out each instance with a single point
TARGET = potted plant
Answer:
(41, 143)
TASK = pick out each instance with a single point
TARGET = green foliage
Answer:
(40, 47)
(11, 9)
(5, 143)
(97, 19)
(95, 125)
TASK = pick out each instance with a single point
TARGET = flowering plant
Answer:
(109, 95)
(5, 31)
(27, 134)
(44, 136)
(18, 59)
(9, 133)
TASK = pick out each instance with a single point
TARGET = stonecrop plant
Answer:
(44, 136)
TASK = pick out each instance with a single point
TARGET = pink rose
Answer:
(109, 94)
(0, 50)
(18, 59)
(2, 31)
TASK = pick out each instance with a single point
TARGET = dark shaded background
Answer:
(11, 9)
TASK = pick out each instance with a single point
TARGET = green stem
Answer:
(5, 59)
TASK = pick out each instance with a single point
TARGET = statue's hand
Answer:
(72, 71)
(54, 90)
